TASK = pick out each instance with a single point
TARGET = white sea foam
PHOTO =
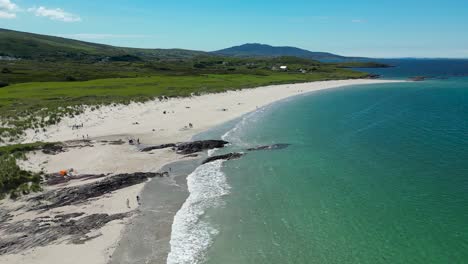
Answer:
(246, 120)
(191, 235)
(211, 152)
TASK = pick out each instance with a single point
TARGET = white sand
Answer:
(204, 112)
(154, 127)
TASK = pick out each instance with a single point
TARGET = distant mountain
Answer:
(34, 46)
(262, 50)
(25, 45)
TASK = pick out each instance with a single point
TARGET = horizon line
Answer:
(259, 43)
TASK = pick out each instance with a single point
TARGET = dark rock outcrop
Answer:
(270, 147)
(43, 231)
(191, 156)
(79, 194)
(418, 78)
(54, 179)
(229, 156)
(52, 148)
(73, 227)
(373, 76)
(163, 146)
(112, 142)
(197, 146)
(187, 148)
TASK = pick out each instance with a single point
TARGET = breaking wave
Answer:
(191, 235)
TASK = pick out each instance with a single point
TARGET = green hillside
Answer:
(262, 50)
(34, 46)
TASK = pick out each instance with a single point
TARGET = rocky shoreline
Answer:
(17, 236)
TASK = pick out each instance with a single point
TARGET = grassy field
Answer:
(38, 104)
(20, 71)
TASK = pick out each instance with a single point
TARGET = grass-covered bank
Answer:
(44, 78)
(13, 180)
(39, 104)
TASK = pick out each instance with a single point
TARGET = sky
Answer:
(377, 28)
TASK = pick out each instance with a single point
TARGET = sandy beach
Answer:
(151, 123)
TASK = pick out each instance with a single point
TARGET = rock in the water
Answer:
(270, 147)
(197, 146)
(191, 156)
(229, 156)
(418, 78)
(163, 146)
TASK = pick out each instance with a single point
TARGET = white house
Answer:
(284, 68)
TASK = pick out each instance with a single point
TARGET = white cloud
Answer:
(8, 5)
(54, 14)
(358, 21)
(6, 15)
(100, 36)
(7, 9)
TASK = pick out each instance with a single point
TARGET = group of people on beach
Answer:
(133, 141)
(75, 127)
(78, 126)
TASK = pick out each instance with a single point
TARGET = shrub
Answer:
(6, 70)
(14, 180)
(199, 65)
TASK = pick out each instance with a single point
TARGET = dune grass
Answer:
(13, 180)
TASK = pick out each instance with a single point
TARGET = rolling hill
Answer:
(28, 57)
(262, 50)
(42, 47)
(36, 46)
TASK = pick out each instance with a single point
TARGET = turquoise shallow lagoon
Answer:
(374, 174)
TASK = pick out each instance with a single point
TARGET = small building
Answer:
(284, 68)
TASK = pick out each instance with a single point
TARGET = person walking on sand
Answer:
(128, 203)
(138, 200)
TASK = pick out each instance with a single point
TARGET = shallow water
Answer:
(375, 174)
(146, 238)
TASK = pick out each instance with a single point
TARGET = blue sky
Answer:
(378, 28)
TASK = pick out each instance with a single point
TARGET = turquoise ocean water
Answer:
(374, 174)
